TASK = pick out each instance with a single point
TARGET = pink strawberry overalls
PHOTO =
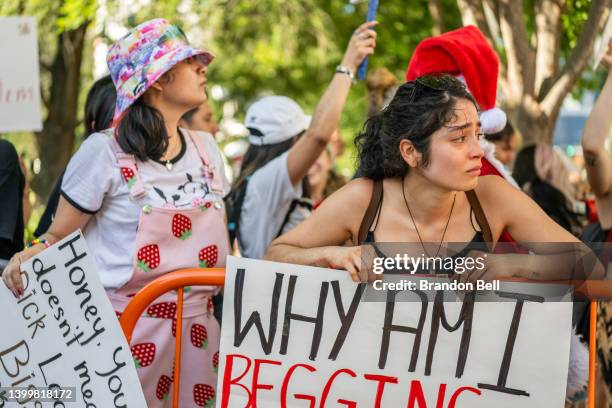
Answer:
(167, 240)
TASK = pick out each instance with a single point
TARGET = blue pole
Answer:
(373, 6)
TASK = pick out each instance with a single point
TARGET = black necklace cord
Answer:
(415, 225)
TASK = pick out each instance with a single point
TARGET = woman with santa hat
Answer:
(421, 161)
(465, 54)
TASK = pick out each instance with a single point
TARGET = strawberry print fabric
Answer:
(95, 182)
(168, 239)
(153, 353)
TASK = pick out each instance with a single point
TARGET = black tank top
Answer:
(477, 242)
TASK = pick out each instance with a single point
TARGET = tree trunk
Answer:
(531, 122)
(532, 83)
(56, 140)
(437, 16)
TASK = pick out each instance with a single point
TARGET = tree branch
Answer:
(472, 12)
(491, 12)
(44, 98)
(578, 59)
(548, 34)
(435, 10)
(519, 55)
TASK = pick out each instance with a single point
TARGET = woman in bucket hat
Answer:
(148, 197)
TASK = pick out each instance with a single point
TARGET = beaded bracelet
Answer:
(39, 241)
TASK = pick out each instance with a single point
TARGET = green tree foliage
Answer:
(287, 47)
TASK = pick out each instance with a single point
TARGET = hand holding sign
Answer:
(360, 46)
(64, 335)
(12, 275)
(356, 260)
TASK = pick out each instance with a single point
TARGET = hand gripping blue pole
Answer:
(373, 6)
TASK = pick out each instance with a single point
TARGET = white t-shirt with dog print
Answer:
(93, 183)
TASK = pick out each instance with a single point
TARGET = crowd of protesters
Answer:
(438, 163)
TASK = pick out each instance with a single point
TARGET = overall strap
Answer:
(370, 214)
(214, 174)
(480, 216)
(128, 167)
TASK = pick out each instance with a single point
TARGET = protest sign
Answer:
(19, 75)
(296, 336)
(63, 334)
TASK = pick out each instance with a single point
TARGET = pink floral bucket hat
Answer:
(143, 55)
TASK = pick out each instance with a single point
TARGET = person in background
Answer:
(599, 174)
(382, 85)
(271, 195)
(323, 178)
(12, 188)
(337, 144)
(506, 144)
(201, 119)
(596, 156)
(542, 174)
(27, 204)
(99, 109)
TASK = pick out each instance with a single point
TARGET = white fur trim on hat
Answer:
(493, 120)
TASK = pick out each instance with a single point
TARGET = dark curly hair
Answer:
(418, 109)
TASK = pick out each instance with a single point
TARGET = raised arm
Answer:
(327, 113)
(596, 130)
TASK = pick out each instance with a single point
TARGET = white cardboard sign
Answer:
(296, 336)
(64, 333)
(19, 75)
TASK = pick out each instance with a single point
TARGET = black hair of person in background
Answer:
(505, 142)
(546, 195)
(12, 184)
(99, 110)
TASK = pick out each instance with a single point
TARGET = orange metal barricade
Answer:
(216, 277)
(592, 354)
(172, 281)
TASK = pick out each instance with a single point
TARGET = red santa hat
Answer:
(463, 53)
